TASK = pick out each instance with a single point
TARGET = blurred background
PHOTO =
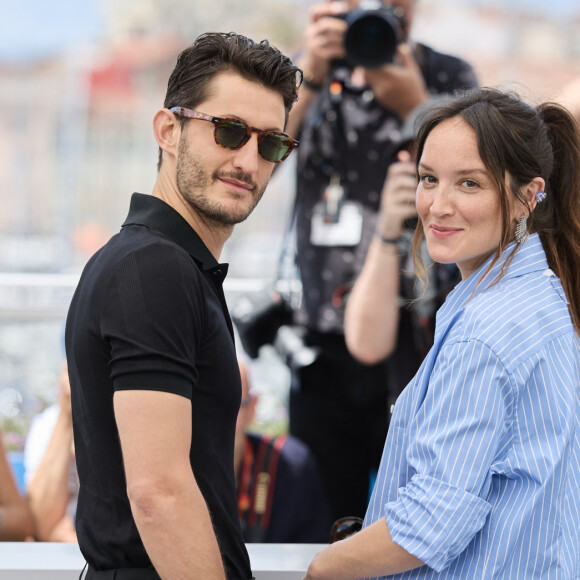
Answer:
(80, 81)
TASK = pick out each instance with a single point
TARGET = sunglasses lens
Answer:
(274, 147)
(230, 134)
(345, 527)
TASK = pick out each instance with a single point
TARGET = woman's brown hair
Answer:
(524, 142)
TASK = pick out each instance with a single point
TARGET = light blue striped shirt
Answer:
(480, 475)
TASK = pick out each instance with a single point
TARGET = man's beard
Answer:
(193, 181)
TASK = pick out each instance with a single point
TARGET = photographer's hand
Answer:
(323, 43)
(398, 86)
(323, 40)
(398, 197)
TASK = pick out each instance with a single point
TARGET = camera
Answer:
(292, 348)
(258, 319)
(266, 318)
(374, 31)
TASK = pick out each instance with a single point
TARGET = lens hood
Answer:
(372, 35)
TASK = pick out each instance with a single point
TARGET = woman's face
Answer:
(457, 200)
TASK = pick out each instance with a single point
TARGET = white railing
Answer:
(26, 296)
(52, 561)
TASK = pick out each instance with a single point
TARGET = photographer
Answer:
(349, 119)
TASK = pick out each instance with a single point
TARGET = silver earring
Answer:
(522, 230)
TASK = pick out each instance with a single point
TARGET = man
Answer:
(349, 120)
(154, 379)
(280, 496)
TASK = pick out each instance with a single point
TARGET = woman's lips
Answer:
(443, 232)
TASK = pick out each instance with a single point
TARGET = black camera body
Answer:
(258, 319)
(266, 318)
(374, 31)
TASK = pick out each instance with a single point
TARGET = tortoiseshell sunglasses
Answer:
(273, 146)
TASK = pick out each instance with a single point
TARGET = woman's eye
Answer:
(470, 184)
(428, 179)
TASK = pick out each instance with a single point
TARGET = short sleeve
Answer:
(152, 318)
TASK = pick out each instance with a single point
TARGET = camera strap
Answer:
(334, 194)
(336, 220)
(258, 485)
(287, 281)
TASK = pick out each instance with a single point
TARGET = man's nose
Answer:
(246, 157)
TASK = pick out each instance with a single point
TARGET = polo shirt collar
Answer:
(150, 211)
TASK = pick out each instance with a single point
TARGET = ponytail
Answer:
(557, 219)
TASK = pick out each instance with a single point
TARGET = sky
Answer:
(34, 28)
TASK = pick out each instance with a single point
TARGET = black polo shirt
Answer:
(149, 313)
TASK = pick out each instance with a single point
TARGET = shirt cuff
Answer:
(153, 381)
(435, 521)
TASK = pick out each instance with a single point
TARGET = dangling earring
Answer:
(522, 230)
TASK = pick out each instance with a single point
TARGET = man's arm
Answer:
(371, 318)
(369, 553)
(168, 507)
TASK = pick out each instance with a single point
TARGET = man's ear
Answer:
(167, 131)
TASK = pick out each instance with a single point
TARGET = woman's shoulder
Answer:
(521, 310)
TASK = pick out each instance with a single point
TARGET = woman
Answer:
(15, 518)
(480, 476)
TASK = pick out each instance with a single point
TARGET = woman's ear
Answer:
(529, 193)
(167, 131)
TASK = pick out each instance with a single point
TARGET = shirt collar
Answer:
(150, 211)
(529, 257)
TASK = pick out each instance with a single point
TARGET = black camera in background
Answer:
(374, 31)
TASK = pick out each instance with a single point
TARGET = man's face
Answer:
(224, 185)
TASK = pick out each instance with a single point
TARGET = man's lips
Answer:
(237, 184)
(443, 232)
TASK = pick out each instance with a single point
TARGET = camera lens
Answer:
(372, 36)
(370, 41)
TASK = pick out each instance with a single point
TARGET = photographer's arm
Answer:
(48, 488)
(399, 86)
(323, 42)
(15, 518)
(372, 311)
(371, 318)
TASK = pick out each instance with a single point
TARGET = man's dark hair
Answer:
(216, 52)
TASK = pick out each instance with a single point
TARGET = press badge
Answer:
(344, 230)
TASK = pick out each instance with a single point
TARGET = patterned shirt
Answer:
(480, 475)
(357, 138)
